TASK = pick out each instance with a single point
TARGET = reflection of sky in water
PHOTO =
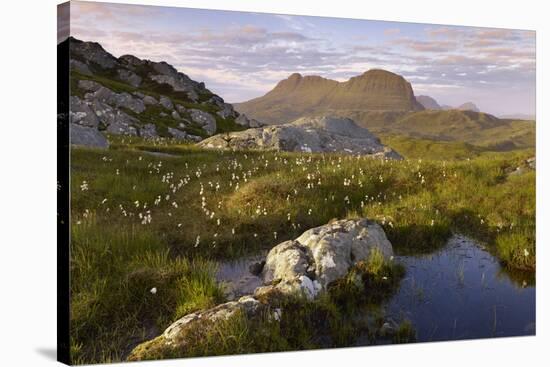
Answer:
(461, 292)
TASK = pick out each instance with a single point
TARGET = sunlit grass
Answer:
(142, 221)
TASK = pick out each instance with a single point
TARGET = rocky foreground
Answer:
(309, 134)
(303, 267)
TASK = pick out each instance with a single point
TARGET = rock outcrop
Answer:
(299, 96)
(303, 267)
(310, 134)
(131, 96)
(321, 256)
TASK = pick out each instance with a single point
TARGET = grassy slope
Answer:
(255, 200)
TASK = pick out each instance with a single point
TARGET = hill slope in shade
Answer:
(297, 96)
(428, 102)
(475, 128)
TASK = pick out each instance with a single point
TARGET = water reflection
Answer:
(462, 292)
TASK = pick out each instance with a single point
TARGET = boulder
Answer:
(81, 113)
(226, 111)
(323, 255)
(105, 95)
(175, 337)
(176, 115)
(166, 103)
(310, 134)
(87, 136)
(79, 66)
(129, 77)
(242, 120)
(178, 134)
(148, 131)
(178, 83)
(148, 100)
(204, 120)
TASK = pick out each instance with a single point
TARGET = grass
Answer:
(336, 319)
(141, 221)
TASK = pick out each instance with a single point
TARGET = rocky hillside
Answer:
(299, 96)
(130, 96)
(308, 134)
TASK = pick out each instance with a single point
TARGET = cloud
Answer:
(392, 31)
(245, 57)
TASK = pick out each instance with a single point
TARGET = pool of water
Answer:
(461, 292)
(458, 292)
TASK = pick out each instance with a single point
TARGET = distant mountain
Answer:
(297, 96)
(519, 116)
(428, 102)
(468, 106)
(131, 96)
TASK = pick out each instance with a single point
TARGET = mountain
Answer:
(131, 96)
(468, 106)
(297, 96)
(428, 102)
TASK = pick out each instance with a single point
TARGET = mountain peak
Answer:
(297, 96)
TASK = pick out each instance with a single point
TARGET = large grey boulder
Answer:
(310, 134)
(87, 136)
(322, 255)
(81, 113)
(204, 120)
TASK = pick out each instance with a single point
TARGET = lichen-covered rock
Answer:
(311, 134)
(175, 337)
(204, 119)
(81, 113)
(322, 255)
(87, 136)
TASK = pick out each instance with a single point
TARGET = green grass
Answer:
(252, 201)
(347, 311)
(112, 273)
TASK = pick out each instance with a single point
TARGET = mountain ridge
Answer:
(299, 95)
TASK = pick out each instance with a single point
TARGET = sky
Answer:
(243, 55)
